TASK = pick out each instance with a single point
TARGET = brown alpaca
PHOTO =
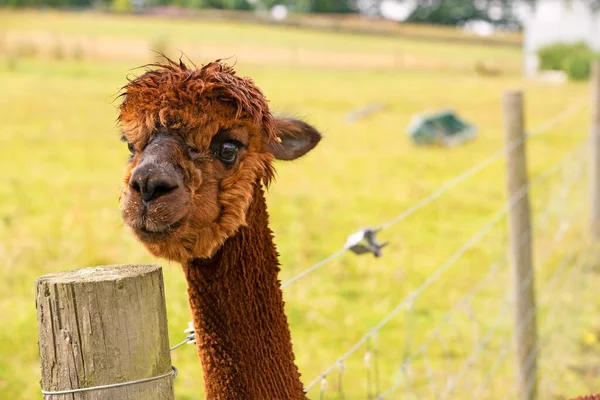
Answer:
(202, 144)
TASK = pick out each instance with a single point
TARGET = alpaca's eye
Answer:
(193, 152)
(130, 145)
(228, 152)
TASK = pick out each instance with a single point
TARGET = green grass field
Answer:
(61, 162)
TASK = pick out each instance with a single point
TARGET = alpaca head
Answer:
(200, 140)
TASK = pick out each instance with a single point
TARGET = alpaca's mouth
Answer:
(158, 219)
(147, 232)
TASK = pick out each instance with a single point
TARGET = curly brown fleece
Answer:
(234, 295)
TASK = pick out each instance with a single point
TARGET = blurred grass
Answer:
(61, 164)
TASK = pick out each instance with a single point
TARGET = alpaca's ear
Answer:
(296, 138)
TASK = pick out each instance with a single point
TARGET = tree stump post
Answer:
(101, 326)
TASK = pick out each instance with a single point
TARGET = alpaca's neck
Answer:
(243, 337)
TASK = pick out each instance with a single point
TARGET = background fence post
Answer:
(101, 326)
(519, 221)
(595, 146)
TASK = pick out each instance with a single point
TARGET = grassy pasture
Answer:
(61, 164)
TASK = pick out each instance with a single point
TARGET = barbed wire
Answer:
(474, 239)
(548, 124)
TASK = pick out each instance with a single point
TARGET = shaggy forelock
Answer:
(173, 94)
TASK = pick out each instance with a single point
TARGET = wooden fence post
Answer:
(519, 221)
(104, 325)
(595, 146)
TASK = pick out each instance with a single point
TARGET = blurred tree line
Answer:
(318, 6)
(446, 12)
(454, 12)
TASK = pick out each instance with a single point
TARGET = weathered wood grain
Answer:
(104, 325)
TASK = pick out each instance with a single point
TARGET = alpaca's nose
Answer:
(152, 181)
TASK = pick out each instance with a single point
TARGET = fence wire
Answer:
(452, 183)
(433, 369)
